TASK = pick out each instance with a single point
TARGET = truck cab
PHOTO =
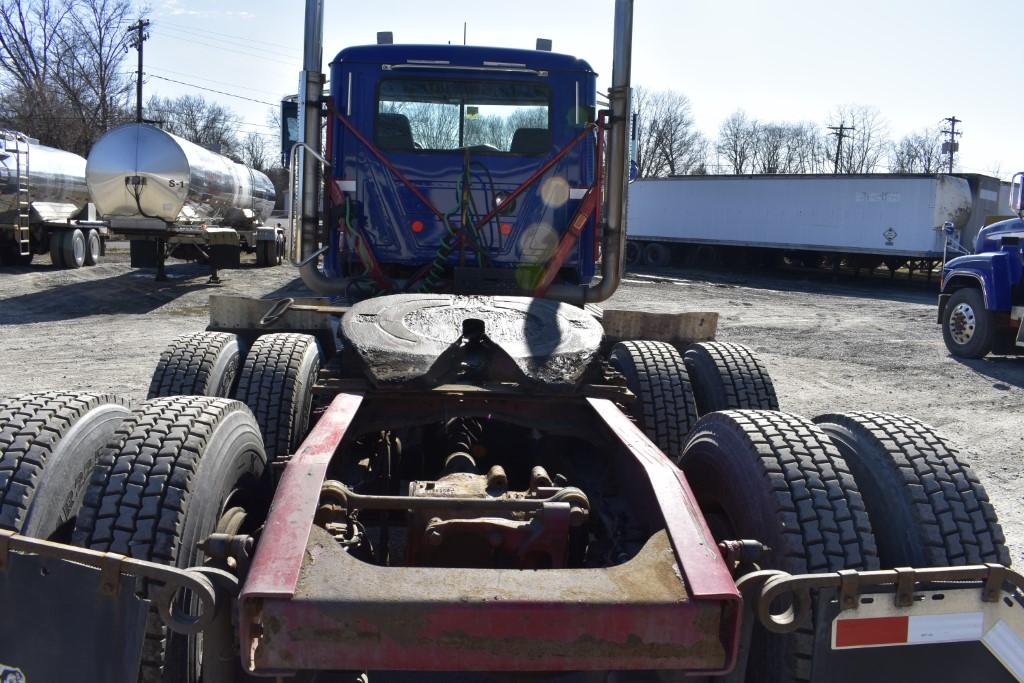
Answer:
(459, 168)
(981, 306)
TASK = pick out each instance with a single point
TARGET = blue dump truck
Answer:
(981, 306)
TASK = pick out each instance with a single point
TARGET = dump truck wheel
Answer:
(776, 478)
(49, 444)
(926, 506)
(276, 383)
(93, 248)
(967, 326)
(72, 245)
(57, 249)
(167, 475)
(665, 409)
(197, 364)
(728, 376)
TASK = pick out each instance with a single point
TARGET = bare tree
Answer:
(918, 153)
(668, 142)
(254, 151)
(736, 142)
(866, 146)
(61, 68)
(198, 120)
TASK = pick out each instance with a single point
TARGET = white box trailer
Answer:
(875, 215)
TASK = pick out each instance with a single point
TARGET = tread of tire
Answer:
(138, 495)
(825, 522)
(946, 499)
(185, 365)
(745, 380)
(31, 426)
(665, 394)
(269, 384)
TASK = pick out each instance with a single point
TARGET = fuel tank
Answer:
(140, 171)
(56, 179)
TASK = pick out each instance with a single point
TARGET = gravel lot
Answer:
(830, 345)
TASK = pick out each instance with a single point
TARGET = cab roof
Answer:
(462, 55)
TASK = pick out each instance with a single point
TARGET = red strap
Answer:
(579, 221)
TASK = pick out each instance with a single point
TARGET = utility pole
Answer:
(840, 132)
(952, 146)
(136, 41)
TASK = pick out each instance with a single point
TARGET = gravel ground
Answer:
(830, 345)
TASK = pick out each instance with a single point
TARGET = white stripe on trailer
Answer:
(946, 628)
(1007, 646)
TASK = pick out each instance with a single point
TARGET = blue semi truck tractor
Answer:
(981, 306)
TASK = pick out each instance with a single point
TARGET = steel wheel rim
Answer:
(962, 323)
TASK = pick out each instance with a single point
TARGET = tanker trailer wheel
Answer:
(265, 253)
(197, 364)
(171, 472)
(926, 506)
(728, 376)
(72, 244)
(49, 444)
(276, 383)
(776, 478)
(967, 326)
(93, 247)
(57, 249)
(665, 409)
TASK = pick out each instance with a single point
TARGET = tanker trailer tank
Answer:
(171, 197)
(42, 193)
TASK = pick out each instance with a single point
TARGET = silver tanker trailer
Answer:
(171, 197)
(44, 205)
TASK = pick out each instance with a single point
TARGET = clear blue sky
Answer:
(916, 61)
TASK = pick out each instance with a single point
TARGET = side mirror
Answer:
(1016, 198)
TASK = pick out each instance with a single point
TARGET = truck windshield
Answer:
(425, 114)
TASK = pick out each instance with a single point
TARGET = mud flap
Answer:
(934, 652)
(56, 624)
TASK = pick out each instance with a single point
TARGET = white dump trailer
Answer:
(169, 196)
(861, 219)
(44, 205)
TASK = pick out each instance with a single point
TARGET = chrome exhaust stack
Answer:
(613, 242)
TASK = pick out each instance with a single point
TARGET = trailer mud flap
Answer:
(58, 624)
(947, 635)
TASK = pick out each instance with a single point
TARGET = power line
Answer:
(232, 50)
(227, 42)
(219, 92)
(210, 80)
(290, 48)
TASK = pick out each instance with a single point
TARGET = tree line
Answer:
(668, 142)
(66, 78)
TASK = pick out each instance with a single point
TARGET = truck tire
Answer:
(93, 247)
(657, 254)
(777, 479)
(634, 253)
(160, 487)
(72, 243)
(665, 409)
(967, 326)
(927, 507)
(276, 383)
(197, 364)
(728, 376)
(264, 253)
(57, 249)
(49, 444)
